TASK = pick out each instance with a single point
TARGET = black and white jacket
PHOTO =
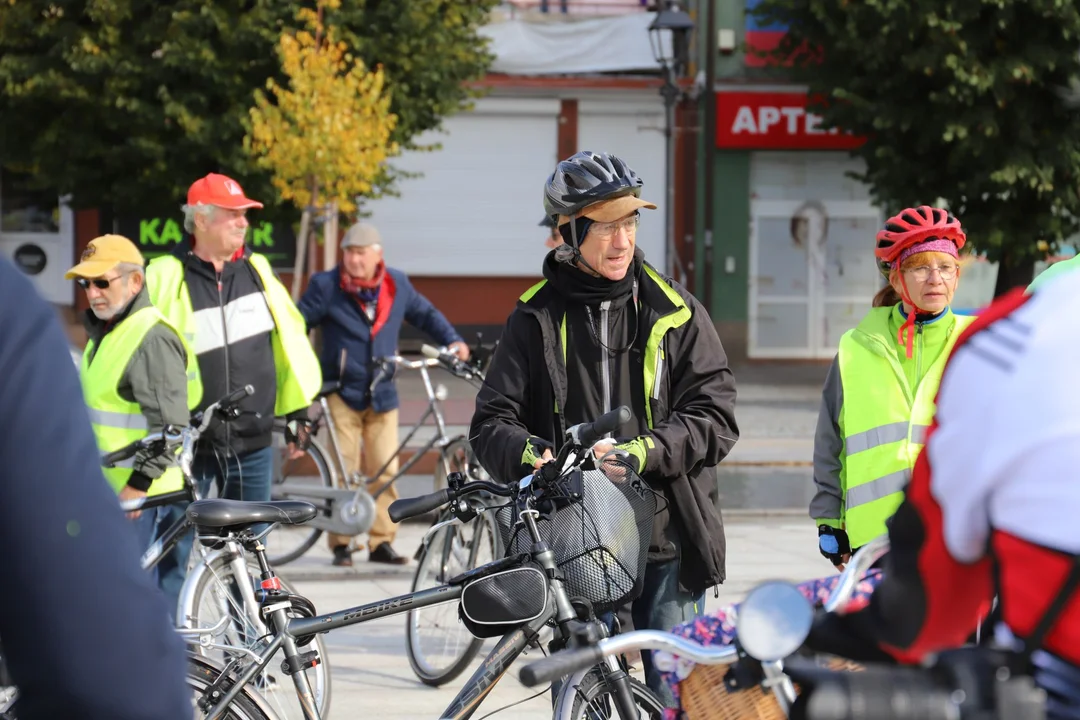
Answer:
(232, 342)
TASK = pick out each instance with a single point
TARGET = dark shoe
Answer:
(386, 554)
(342, 556)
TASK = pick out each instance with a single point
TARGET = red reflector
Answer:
(271, 584)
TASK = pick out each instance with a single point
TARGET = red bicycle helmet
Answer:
(911, 227)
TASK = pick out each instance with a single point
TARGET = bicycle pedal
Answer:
(303, 661)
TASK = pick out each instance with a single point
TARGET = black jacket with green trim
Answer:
(690, 406)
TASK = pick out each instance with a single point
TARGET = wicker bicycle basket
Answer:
(705, 697)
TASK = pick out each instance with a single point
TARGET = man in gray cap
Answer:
(360, 306)
(554, 238)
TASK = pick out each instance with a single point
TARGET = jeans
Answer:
(661, 606)
(239, 477)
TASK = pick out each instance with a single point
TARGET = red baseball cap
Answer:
(219, 190)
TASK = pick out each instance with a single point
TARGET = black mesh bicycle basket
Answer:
(598, 526)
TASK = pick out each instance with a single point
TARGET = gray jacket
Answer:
(155, 379)
(828, 502)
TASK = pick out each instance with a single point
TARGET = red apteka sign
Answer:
(774, 121)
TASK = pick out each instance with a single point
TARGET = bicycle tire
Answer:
(248, 705)
(593, 688)
(433, 553)
(310, 534)
(319, 677)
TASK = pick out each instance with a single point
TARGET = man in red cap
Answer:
(245, 330)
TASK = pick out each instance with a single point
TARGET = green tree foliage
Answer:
(960, 100)
(123, 103)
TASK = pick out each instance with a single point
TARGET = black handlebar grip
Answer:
(116, 456)
(559, 665)
(238, 395)
(405, 508)
(606, 423)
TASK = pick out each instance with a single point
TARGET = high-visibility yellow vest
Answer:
(116, 421)
(299, 376)
(883, 421)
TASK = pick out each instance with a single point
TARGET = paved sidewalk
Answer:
(371, 676)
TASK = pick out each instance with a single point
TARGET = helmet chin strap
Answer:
(572, 255)
(906, 335)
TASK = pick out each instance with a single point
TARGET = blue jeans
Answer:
(240, 477)
(662, 606)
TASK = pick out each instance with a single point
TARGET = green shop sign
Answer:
(158, 235)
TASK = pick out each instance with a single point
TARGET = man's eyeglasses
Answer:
(608, 229)
(922, 273)
(99, 283)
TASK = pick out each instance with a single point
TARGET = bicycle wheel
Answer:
(288, 542)
(247, 705)
(217, 595)
(439, 646)
(593, 700)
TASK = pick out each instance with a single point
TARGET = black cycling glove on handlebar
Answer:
(833, 544)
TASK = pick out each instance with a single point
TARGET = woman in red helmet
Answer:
(878, 399)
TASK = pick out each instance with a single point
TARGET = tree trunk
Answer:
(1013, 272)
(299, 263)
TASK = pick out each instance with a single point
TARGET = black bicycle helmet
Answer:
(585, 178)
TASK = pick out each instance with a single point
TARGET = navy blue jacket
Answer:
(344, 327)
(85, 631)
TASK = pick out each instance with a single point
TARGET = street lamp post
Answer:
(668, 36)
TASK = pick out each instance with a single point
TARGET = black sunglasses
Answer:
(99, 283)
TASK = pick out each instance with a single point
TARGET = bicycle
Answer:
(770, 671)
(439, 647)
(515, 597)
(218, 576)
(773, 625)
(350, 509)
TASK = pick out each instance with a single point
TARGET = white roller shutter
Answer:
(633, 129)
(475, 209)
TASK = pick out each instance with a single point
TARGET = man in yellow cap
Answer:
(134, 369)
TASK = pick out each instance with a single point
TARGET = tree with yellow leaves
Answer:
(325, 137)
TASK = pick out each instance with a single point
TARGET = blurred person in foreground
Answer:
(85, 633)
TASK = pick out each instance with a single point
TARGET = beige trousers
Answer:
(367, 439)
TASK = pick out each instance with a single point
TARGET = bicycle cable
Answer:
(523, 700)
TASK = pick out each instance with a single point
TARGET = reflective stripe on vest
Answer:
(299, 376)
(116, 421)
(883, 422)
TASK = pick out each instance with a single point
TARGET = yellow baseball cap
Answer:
(104, 253)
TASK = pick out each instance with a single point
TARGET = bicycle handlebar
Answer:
(580, 437)
(567, 662)
(171, 436)
(862, 561)
(405, 508)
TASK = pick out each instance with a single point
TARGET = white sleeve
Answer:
(1006, 453)
(958, 481)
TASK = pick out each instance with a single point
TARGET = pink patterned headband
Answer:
(933, 245)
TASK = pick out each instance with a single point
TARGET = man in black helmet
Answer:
(604, 329)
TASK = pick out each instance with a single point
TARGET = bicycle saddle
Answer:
(219, 513)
